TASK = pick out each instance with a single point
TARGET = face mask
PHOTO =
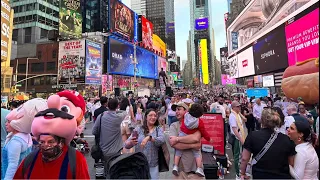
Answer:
(51, 153)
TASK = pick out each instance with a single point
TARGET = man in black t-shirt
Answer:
(102, 108)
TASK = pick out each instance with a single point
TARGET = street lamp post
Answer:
(27, 69)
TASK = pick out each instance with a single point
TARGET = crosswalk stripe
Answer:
(88, 136)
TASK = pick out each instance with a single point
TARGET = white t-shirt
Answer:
(220, 109)
(170, 111)
(288, 120)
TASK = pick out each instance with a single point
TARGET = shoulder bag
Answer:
(163, 156)
(96, 152)
(266, 147)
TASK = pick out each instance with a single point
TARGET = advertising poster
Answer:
(201, 23)
(204, 61)
(122, 82)
(214, 125)
(234, 40)
(162, 63)
(6, 30)
(303, 38)
(170, 27)
(121, 60)
(268, 81)
(257, 81)
(147, 32)
(70, 19)
(245, 62)
(224, 60)
(123, 21)
(93, 63)
(106, 83)
(257, 92)
(270, 50)
(159, 45)
(232, 64)
(226, 80)
(71, 61)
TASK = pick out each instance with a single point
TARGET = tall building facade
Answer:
(236, 6)
(201, 9)
(95, 15)
(139, 6)
(229, 5)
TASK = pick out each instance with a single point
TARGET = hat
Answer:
(75, 98)
(302, 125)
(235, 104)
(187, 100)
(182, 104)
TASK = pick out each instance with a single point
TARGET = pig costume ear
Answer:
(23, 116)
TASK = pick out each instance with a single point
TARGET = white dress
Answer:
(306, 162)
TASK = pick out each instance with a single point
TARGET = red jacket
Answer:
(51, 170)
(200, 128)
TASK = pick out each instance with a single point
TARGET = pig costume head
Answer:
(22, 117)
(64, 114)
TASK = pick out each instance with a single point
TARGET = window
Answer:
(37, 67)
(51, 80)
(54, 54)
(7, 82)
(21, 68)
(43, 33)
(39, 55)
(51, 66)
(27, 33)
(30, 7)
(15, 35)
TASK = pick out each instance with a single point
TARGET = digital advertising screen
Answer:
(162, 63)
(224, 60)
(121, 60)
(6, 30)
(214, 125)
(270, 50)
(201, 23)
(246, 63)
(93, 63)
(106, 83)
(232, 64)
(123, 21)
(146, 32)
(268, 81)
(204, 60)
(70, 19)
(226, 80)
(159, 45)
(302, 37)
(234, 40)
(170, 27)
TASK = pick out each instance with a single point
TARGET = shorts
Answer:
(196, 153)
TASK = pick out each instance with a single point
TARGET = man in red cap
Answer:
(54, 129)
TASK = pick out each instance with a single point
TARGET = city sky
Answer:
(182, 24)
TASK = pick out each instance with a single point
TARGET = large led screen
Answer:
(224, 60)
(226, 80)
(146, 32)
(270, 52)
(303, 38)
(246, 63)
(201, 23)
(70, 19)
(123, 21)
(170, 27)
(121, 60)
(93, 63)
(204, 60)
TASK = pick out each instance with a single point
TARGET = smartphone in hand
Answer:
(135, 134)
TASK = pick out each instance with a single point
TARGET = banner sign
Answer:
(226, 80)
(234, 40)
(201, 23)
(170, 27)
(6, 30)
(303, 38)
(93, 63)
(106, 83)
(64, 86)
(71, 61)
(214, 125)
(70, 19)
(224, 60)
(123, 21)
(146, 32)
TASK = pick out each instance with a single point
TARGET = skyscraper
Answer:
(139, 6)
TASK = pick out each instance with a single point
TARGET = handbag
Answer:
(266, 147)
(163, 156)
(231, 139)
(96, 152)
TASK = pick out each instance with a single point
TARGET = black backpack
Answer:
(128, 166)
(69, 159)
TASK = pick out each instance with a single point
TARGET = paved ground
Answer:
(167, 175)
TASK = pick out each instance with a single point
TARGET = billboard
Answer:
(268, 81)
(204, 60)
(93, 63)
(227, 80)
(106, 83)
(234, 40)
(270, 50)
(70, 19)
(201, 23)
(159, 45)
(170, 27)
(6, 30)
(162, 63)
(246, 63)
(146, 32)
(123, 21)
(232, 64)
(214, 125)
(303, 38)
(71, 61)
(121, 60)
(224, 60)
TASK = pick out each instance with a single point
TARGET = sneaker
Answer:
(200, 172)
(175, 170)
(238, 178)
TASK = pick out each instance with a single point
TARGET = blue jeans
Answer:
(170, 120)
(154, 172)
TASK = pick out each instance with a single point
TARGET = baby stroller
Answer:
(80, 144)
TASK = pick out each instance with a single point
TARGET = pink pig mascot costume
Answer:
(19, 142)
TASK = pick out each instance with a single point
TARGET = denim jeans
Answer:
(154, 172)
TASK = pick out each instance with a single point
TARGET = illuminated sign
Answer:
(204, 61)
(201, 24)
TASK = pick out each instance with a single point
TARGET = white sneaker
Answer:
(200, 172)
(238, 178)
(175, 170)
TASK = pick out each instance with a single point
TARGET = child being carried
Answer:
(190, 125)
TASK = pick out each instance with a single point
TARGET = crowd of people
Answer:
(271, 137)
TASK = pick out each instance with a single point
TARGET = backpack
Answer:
(128, 166)
(30, 160)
